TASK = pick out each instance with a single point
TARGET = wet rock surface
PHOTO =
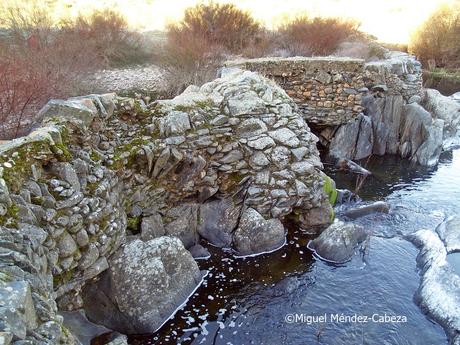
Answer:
(338, 242)
(449, 233)
(439, 291)
(255, 234)
(146, 282)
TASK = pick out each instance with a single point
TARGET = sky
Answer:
(389, 20)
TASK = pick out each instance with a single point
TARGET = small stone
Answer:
(66, 245)
(261, 143)
(259, 159)
(299, 153)
(232, 157)
(303, 168)
(82, 238)
(286, 137)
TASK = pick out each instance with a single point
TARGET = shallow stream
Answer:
(270, 299)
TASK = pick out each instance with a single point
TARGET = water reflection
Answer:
(245, 301)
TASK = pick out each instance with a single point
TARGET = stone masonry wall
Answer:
(104, 165)
(329, 90)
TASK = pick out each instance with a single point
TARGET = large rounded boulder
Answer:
(146, 283)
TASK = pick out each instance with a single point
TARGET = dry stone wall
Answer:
(326, 90)
(329, 90)
(105, 167)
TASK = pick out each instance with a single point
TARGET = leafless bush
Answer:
(106, 32)
(188, 59)
(41, 59)
(197, 44)
(23, 89)
(316, 36)
(223, 25)
(436, 42)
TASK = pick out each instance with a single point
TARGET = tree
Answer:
(436, 43)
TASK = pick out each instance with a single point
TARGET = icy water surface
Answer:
(255, 300)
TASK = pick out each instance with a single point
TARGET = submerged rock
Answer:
(449, 232)
(338, 242)
(147, 281)
(256, 235)
(379, 206)
(199, 252)
(439, 290)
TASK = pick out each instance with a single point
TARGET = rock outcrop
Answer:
(448, 110)
(103, 167)
(439, 290)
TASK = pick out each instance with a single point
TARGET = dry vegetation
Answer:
(437, 42)
(40, 59)
(209, 33)
(200, 41)
(316, 36)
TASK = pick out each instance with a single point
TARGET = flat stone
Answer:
(251, 128)
(286, 137)
(175, 123)
(261, 143)
(303, 168)
(232, 157)
(259, 159)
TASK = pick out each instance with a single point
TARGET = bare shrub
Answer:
(23, 89)
(265, 43)
(197, 45)
(187, 60)
(41, 59)
(106, 31)
(436, 42)
(224, 25)
(37, 62)
(316, 36)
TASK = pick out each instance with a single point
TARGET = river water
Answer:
(255, 300)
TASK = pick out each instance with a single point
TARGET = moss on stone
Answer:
(134, 224)
(6, 277)
(184, 108)
(329, 189)
(125, 155)
(204, 104)
(61, 279)
(63, 153)
(95, 156)
(10, 218)
(18, 162)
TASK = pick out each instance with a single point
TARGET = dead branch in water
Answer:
(349, 165)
